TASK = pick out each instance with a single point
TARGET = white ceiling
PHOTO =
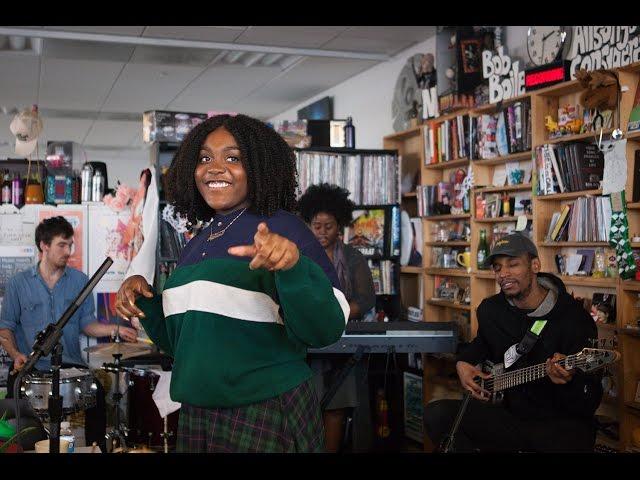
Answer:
(94, 92)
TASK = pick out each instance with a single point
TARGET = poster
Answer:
(14, 259)
(18, 226)
(109, 239)
(76, 215)
(413, 407)
(366, 232)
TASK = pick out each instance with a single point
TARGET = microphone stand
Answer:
(48, 340)
(449, 441)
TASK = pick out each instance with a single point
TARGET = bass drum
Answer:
(146, 427)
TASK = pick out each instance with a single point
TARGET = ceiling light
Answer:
(17, 43)
(288, 61)
(252, 58)
(232, 57)
(271, 58)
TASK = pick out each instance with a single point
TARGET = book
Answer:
(552, 226)
(556, 169)
(590, 166)
(367, 232)
(634, 116)
(603, 307)
(394, 243)
(502, 141)
(562, 220)
(588, 255)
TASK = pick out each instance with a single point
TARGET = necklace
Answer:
(213, 236)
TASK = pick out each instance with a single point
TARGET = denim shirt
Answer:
(29, 306)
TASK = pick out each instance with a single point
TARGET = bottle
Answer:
(17, 192)
(6, 188)
(382, 414)
(86, 179)
(97, 186)
(349, 134)
(506, 205)
(483, 250)
(67, 434)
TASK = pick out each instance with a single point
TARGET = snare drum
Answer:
(146, 427)
(77, 389)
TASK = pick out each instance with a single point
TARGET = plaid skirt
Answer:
(288, 423)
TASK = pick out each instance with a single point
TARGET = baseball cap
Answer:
(26, 126)
(512, 245)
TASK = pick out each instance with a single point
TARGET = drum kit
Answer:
(142, 430)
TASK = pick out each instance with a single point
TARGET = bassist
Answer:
(532, 320)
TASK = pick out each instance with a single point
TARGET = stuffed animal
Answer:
(601, 89)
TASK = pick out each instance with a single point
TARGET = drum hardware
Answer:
(118, 433)
(48, 343)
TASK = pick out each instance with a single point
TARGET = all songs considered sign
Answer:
(603, 47)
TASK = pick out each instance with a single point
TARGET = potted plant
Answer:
(8, 432)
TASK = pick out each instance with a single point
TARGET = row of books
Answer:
(568, 167)
(436, 199)
(447, 141)
(384, 274)
(375, 232)
(370, 179)
(171, 242)
(503, 133)
(586, 219)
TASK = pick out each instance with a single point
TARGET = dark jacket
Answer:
(568, 330)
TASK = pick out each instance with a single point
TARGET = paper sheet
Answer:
(161, 395)
(614, 178)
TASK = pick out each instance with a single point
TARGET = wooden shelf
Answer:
(633, 405)
(449, 116)
(564, 88)
(631, 285)
(409, 195)
(635, 136)
(568, 195)
(447, 272)
(409, 269)
(633, 206)
(500, 219)
(491, 107)
(630, 332)
(577, 280)
(575, 244)
(485, 274)
(580, 136)
(504, 188)
(448, 244)
(464, 216)
(410, 132)
(444, 303)
(450, 164)
(514, 157)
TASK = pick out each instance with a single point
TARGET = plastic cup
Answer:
(43, 446)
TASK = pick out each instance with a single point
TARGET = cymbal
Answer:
(128, 350)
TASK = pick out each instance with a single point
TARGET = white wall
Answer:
(367, 98)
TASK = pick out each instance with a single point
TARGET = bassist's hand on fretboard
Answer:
(556, 372)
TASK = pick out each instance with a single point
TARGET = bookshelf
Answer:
(161, 155)
(373, 179)
(543, 102)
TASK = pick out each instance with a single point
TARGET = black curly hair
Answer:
(268, 160)
(326, 198)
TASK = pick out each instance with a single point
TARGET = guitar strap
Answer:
(530, 338)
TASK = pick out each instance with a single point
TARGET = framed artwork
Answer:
(471, 55)
(413, 407)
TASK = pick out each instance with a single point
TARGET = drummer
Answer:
(39, 296)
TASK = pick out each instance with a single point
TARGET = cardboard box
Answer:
(164, 126)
